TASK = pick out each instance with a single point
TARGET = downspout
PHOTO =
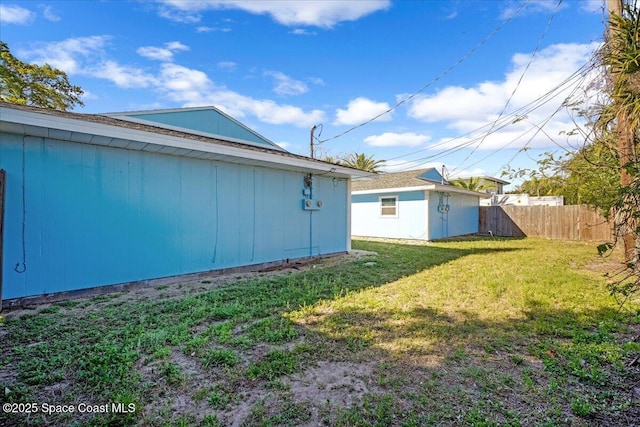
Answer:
(3, 176)
(348, 214)
(311, 216)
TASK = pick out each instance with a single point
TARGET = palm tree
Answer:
(471, 184)
(621, 57)
(363, 162)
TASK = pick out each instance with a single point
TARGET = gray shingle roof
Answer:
(394, 180)
(112, 121)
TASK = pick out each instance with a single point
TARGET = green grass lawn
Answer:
(461, 333)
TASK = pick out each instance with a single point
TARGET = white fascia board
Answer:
(26, 122)
(432, 187)
(394, 190)
(457, 190)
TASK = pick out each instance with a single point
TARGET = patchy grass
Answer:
(480, 333)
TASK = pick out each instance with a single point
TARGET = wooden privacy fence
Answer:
(575, 222)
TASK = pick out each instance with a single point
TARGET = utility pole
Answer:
(313, 129)
(625, 140)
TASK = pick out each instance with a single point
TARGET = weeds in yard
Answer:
(480, 332)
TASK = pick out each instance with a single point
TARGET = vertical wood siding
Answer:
(574, 222)
(100, 215)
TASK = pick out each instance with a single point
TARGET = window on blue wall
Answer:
(389, 206)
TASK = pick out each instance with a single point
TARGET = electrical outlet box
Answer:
(311, 204)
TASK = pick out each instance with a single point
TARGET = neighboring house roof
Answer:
(413, 178)
(420, 179)
(96, 129)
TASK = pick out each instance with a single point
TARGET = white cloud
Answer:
(193, 88)
(531, 7)
(592, 6)
(15, 15)
(285, 145)
(205, 29)
(533, 132)
(173, 46)
(286, 85)
(69, 55)
(180, 79)
(360, 110)
(316, 81)
(303, 32)
(164, 54)
(467, 109)
(122, 76)
(87, 56)
(466, 173)
(158, 53)
(178, 15)
(49, 15)
(324, 14)
(456, 102)
(227, 65)
(404, 165)
(390, 139)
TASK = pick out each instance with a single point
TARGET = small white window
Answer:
(389, 206)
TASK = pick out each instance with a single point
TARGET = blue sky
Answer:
(477, 86)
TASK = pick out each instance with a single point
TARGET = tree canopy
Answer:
(362, 161)
(588, 176)
(35, 85)
(471, 184)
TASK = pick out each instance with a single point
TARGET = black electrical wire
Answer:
(440, 76)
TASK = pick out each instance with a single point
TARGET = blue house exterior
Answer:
(417, 205)
(96, 200)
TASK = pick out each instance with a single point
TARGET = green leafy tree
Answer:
(35, 85)
(331, 159)
(587, 176)
(471, 184)
(363, 162)
(542, 186)
(592, 177)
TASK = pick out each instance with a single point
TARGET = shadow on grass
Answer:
(251, 329)
(478, 237)
(549, 367)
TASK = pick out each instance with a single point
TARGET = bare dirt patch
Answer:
(182, 386)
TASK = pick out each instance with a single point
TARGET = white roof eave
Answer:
(89, 132)
(430, 187)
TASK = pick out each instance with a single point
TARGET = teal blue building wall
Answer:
(452, 214)
(422, 215)
(79, 216)
(410, 223)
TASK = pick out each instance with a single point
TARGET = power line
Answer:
(515, 89)
(444, 73)
(524, 110)
(503, 122)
